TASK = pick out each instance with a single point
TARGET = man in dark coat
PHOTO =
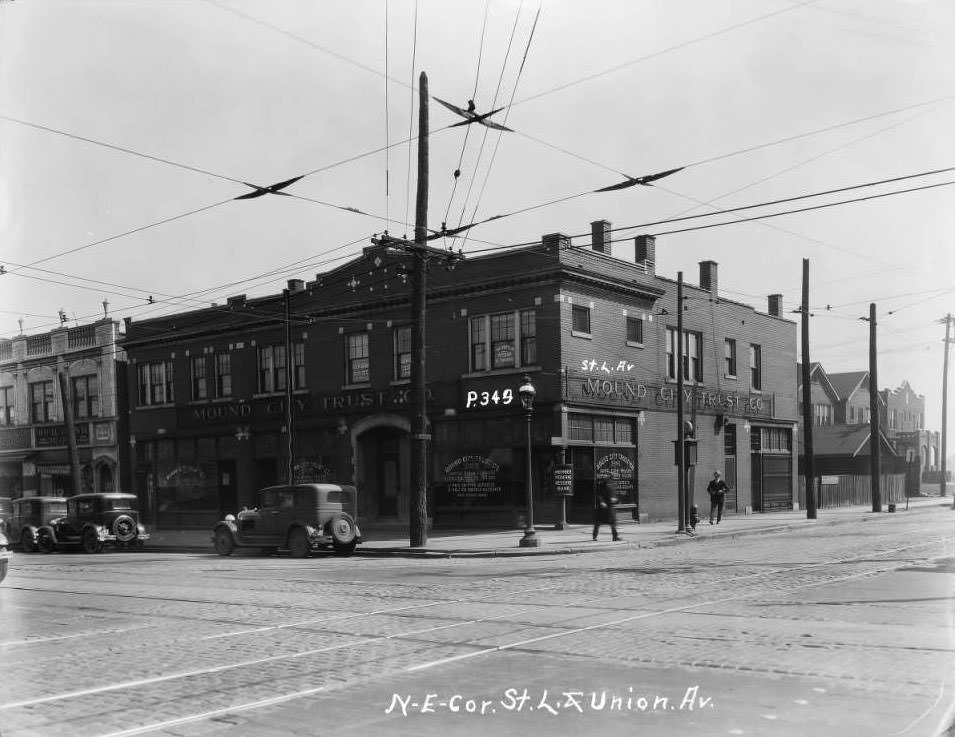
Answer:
(717, 489)
(605, 507)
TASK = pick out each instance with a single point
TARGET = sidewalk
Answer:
(393, 541)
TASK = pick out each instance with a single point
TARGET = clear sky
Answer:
(180, 101)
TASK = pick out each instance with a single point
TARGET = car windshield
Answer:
(57, 509)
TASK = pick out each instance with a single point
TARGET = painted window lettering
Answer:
(488, 399)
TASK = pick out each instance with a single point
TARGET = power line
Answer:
(807, 209)
(668, 49)
(741, 208)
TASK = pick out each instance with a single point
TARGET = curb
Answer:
(574, 548)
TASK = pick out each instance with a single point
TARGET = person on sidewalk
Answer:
(717, 489)
(605, 507)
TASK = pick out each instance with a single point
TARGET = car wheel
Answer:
(344, 534)
(124, 528)
(26, 541)
(91, 542)
(298, 546)
(224, 542)
(44, 543)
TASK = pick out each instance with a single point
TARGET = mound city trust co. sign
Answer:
(591, 389)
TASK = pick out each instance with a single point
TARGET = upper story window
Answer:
(156, 383)
(503, 340)
(86, 397)
(7, 411)
(273, 368)
(298, 365)
(692, 355)
(528, 337)
(271, 362)
(223, 375)
(197, 366)
(729, 356)
(635, 330)
(358, 366)
(821, 414)
(580, 319)
(41, 401)
(756, 366)
(402, 352)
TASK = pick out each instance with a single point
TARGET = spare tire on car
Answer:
(344, 533)
(124, 528)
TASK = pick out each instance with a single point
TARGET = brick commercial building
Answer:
(34, 457)
(594, 333)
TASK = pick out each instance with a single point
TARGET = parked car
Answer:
(299, 518)
(30, 513)
(92, 521)
(4, 556)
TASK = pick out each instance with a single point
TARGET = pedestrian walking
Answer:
(717, 489)
(605, 504)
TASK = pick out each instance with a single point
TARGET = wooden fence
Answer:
(852, 490)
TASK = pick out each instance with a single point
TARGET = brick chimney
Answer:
(295, 285)
(600, 236)
(708, 277)
(555, 240)
(645, 252)
(776, 305)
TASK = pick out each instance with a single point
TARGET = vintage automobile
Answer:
(92, 521)
(299, 518)
(30, 513)
(4, 557)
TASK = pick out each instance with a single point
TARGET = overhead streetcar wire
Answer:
(486, 132)
(667, 50)
(507, 112)
(808, 209)
(411, 113)
(467, 129)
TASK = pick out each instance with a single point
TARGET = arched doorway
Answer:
(106, 478)
(382, 467)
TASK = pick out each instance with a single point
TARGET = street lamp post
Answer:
(527, 393)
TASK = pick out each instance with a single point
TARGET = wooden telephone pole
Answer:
(874, 432)
(421, 254)
(948, 327)
(809, 463)
(66, 400)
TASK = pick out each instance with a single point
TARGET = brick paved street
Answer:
(837, 629)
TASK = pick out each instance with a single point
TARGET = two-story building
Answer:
(597, 335)
(34, 457)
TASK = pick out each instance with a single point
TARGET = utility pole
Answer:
(419, 280)
(680, 445)
(421, 254)
(67, 402)
(948, 327)
(874, 440)
(289, 409)
(809, 461)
